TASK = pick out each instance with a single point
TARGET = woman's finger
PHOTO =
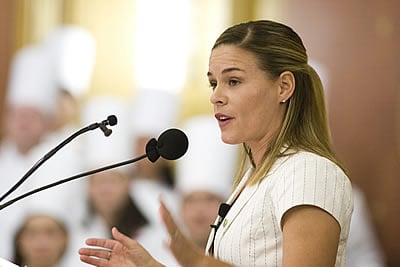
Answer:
(177, 239)
(168, 220)
(185, 252)
(123, 239)
(100, 242)
(94, 261)
(95, 252)
(94, 256)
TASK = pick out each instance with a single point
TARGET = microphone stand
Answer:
(80, 175)
(171, 145)
(47, 156)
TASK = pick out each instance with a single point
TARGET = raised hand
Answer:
(185, 251)
(121, 252)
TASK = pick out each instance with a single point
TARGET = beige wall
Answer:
(112, 25)
(6, 48)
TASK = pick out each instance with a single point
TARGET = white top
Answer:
(251, 233)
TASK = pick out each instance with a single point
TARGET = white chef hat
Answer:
(43, 204)
(100, 150)
(209, 164)
(72, 50)
(32, 81)
(153, 111)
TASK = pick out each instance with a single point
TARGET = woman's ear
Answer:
(286, 86)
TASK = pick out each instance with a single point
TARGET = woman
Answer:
(42, 238)
(292, 202)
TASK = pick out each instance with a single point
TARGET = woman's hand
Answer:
(185, 251)
(121, 252)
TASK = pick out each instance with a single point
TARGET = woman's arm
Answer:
(310, 237)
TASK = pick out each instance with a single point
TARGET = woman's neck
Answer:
(258, 152)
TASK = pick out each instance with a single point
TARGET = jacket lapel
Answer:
(242, 194)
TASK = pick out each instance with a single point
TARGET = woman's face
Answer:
(25, 126)
(198, 211)
(246, 101)
(42, 241)
(108, 191)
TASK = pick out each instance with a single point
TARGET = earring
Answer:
(283, 101)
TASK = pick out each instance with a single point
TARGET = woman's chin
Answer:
(230, 140)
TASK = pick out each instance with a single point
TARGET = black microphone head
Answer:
(112, 120)
(172, 144)
(107, 132)
(151, 150)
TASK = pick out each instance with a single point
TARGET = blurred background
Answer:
(150, 44)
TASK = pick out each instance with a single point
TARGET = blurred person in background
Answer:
(204, 177)
(108, 201)
(42, 237)
(39, 115)
(153, 111)
(72, 51)
(30, 104)
(29, 111)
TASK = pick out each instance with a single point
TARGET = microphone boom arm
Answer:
(47, 156)
(171, 145)
(80, 175)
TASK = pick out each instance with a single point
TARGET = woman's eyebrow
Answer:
(226, 70)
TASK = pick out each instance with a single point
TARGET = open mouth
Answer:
(222, 118)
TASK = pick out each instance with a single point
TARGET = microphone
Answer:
(222, 212)
(172, 144)
(111, 120)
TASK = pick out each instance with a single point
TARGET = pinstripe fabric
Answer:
(251, 234)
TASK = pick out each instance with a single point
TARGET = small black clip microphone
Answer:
(111, 120)
(222, 212)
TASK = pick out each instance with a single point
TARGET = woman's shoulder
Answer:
(307, 159)
(306, 178)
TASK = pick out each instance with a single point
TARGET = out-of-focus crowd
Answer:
(46, 103)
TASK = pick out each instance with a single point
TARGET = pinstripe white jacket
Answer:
(251, 233)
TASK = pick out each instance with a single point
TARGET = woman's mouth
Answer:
(222, 119)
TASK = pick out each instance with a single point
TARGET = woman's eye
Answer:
(233, 82)
(213, 85)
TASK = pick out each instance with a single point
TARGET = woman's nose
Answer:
(217, 97)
